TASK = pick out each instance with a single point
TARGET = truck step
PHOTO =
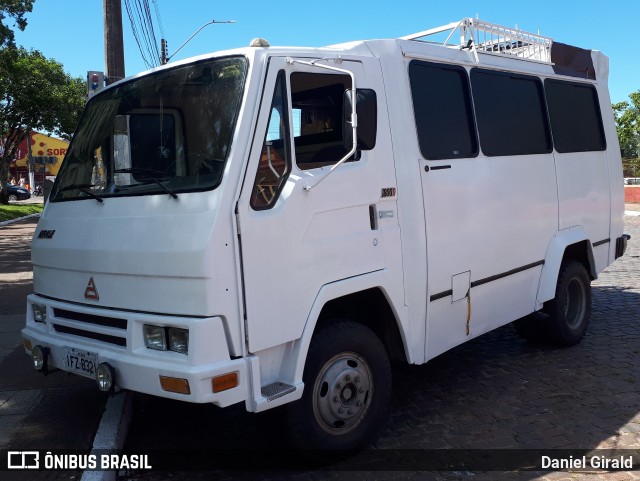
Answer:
(276, 390)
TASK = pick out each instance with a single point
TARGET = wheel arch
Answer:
(362, 299)
(572, 243)
(372, 308)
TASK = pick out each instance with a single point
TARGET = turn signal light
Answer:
(174, 384)
(224, 382)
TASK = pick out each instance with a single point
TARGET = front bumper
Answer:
(117, 339)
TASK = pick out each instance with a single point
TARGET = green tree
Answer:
(16, 10)
(627, 115)
(35, 94)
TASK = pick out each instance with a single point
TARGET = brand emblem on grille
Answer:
(91, 292)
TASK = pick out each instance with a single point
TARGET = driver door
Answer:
(294, 240)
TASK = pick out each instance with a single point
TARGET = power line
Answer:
(155, 4)
(139, 14)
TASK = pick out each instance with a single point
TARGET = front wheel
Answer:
(570, 310)
(347, 380)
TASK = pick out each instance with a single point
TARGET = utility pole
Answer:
(113, 42)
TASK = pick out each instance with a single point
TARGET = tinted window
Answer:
(512, 118)
(442, 109)
(575, 116)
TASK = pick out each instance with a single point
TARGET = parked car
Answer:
(17, 193)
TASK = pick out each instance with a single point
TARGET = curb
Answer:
(111, 433)
(12, 221)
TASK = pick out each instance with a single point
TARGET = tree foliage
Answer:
(35, 94)
(627, 115)
(16, 10)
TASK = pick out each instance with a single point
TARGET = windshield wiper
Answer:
(83, 188)
(148, 173)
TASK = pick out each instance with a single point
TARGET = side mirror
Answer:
(367, 110)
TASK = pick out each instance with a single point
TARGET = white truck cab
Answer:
(273, 225)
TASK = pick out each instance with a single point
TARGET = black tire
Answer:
(347, 380)
(570, 310)
(13, 197)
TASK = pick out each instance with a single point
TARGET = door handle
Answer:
(436, 167)
(373, 217)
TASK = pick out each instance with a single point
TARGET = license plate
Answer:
(80, 362)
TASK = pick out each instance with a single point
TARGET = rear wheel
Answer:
(13, 197)
(565, 318)
(347, 380)
(570, 310)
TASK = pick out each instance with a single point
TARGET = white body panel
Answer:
(455, 252)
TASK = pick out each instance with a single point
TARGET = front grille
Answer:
(118, 325)
(118, 341)
(91, 319)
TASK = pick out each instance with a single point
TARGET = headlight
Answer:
(39, 312)
(154, 337)
(178, 340)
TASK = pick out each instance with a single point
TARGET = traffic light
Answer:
(95, 83)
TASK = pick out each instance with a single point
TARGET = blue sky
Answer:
(71, 31)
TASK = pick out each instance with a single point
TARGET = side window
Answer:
(443, 112)
(574, 111)
(317, 103)
(511, 114)
(274, 163)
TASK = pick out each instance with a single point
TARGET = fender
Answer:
(296, 355)
(332, 291)
(553, 259)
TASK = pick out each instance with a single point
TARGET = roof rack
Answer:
(484, 37)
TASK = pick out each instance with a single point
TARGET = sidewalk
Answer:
(36, 412)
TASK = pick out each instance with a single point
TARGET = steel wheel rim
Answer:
(342, 393)
(575, 305)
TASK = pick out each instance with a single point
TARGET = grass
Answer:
(13, 211)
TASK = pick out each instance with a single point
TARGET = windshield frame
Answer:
(151, 185)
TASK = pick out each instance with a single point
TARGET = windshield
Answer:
(164, 133)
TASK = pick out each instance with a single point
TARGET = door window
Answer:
(273, 167)
(317, 102)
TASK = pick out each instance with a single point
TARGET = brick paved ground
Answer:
(493, 392)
